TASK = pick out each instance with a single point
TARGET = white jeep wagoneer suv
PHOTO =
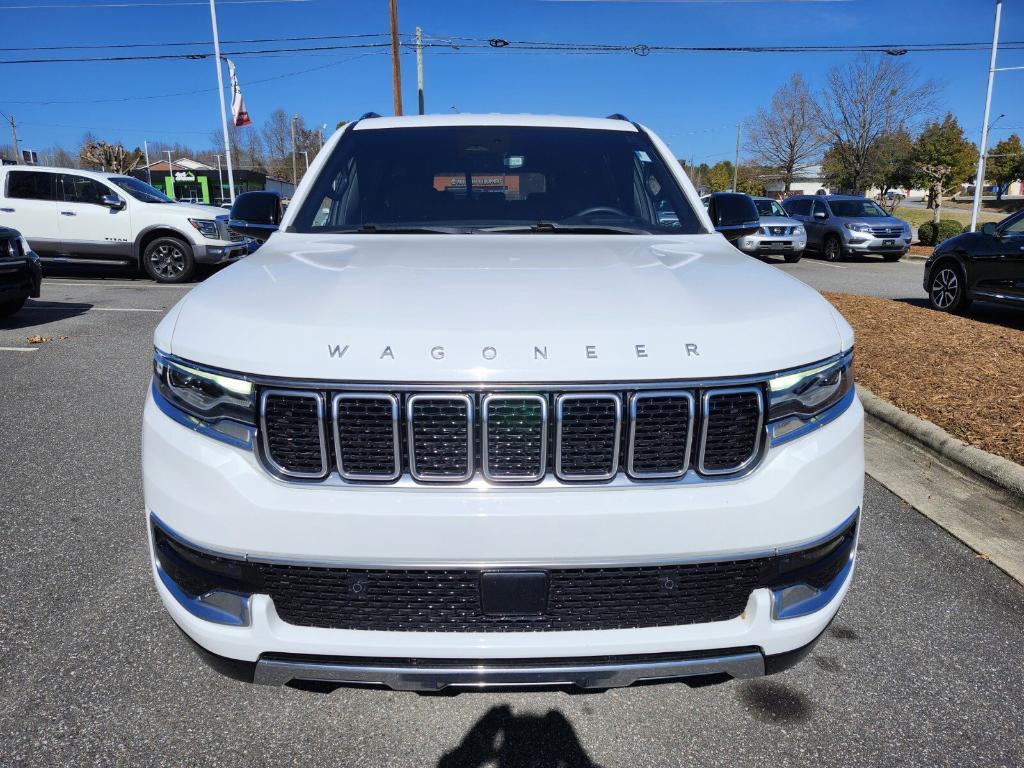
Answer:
(497, 405)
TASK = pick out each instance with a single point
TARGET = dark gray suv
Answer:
(840, 226)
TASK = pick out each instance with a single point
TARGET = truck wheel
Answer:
(792, 258)
(168, 260)
(947, 291)
(832, 250)
(8, 308)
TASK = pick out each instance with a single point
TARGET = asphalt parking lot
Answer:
(921, 667)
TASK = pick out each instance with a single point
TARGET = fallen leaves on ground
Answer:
(39, 339)
(965, 376)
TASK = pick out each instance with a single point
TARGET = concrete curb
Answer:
(1003, 472)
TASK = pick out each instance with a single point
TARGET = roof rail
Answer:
(618, 116)
(368, 115)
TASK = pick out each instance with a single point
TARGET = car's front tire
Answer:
(169, 260)
(832, 249)
(947, 290)
(8, 308)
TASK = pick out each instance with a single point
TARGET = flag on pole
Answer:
(239, 114)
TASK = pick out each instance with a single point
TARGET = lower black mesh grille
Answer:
(449, 600)
(588, 436)
(516, 437)
(732, 429)
(367, 428)
(440, 437)
(293, 433)
(661, 432)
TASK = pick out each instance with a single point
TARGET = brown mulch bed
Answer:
(967, 377)
(921, 250)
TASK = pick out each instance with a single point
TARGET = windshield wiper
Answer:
(401, 229)
(555, 227)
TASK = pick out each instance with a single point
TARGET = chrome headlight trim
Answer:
(805, 399)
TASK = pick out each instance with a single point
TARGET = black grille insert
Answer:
(441, 437)
(515, 437)
(293, 432)
(661, 430)
(366, 436)
(732, 429)
(588, 436)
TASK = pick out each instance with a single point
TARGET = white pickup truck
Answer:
(90, 217)
(496, 405)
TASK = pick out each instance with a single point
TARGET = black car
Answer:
(20, 273)
(987, 265)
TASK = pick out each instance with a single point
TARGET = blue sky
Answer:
(693, 100)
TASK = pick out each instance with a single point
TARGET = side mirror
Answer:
(256, 215)
(989, 228)
(820, 215)
(113, 202)
(733, 214)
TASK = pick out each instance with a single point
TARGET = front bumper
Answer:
(865, 243)
(219, 498)
(769, 245)
(220, 253)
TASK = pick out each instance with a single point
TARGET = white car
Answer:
(482, 413)
(108, 218)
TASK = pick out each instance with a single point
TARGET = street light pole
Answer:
(149, 171)
(295, 168)
(419, 67)
(736, 167)
(220, 180)
(979, 179)
(170, 173)
(396, 67)
(220, 92)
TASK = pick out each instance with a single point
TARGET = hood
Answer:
(878, 221)
(192, 210)
(527, 308)
(778, 221)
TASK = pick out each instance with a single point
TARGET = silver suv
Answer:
(779, 234)
(840, 226)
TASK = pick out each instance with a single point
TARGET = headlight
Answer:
(796, 398)
(207, 228)
(799, 231)
(206, 396)
(857, 227)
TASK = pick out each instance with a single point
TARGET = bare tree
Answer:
(865, 101)
(784, 136)
(110, 157)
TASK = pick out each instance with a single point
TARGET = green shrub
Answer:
(947, 229)
(926, 233)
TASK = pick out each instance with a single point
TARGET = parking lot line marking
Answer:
(123, 309)
(59, 281)
(58, 306)
(19, 349)
(826, 264)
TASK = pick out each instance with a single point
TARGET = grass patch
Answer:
(958, 373)
(918, 216)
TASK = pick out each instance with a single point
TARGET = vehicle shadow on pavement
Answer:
(501, 739)
(37, 313)
(993, 314)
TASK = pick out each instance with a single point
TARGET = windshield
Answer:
(855, 209)
(140, 190)
(473, 178)
(769, 208)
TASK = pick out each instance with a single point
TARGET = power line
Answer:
(163, 4)
(178, 44)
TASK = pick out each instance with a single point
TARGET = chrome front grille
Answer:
(887, 231)
(510, 436)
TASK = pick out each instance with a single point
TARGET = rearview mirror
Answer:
(989, 228)
(256, 215)
(733, 214)
(113, 202)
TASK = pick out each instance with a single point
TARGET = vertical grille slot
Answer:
(294, 440)
(587, 434)
(366, 436)
(731, 434)
(515, 436)
(440, 437)
(660, 434)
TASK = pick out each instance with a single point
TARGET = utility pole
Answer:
(220, 92)
(14, 135)
(295, 167)
(979, 179)
(305, 154)
(170, 173)
(396, 67)
(419, 67)
(736, 167)
(149, 171)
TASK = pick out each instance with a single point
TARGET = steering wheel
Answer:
(601, 209)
